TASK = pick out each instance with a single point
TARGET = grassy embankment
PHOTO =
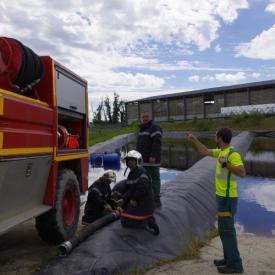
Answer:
(236, 123)
(191, 252)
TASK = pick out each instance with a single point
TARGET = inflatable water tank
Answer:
(96, 160)
(111, 161)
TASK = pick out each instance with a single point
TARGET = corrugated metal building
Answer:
(205, 103)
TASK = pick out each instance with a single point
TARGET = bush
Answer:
(256, 117)
(237, 118)
(195, 120)
(202, 125)
(135, 124)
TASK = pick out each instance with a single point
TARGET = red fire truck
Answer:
(43, 142)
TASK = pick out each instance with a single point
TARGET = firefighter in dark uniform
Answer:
(99, 200)
(229, 165)
(149, 145)
(136, 196)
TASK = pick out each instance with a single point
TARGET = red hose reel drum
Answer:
(65, 139)
(10, 57)
(21, 69)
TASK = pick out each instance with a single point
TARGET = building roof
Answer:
(209, 90)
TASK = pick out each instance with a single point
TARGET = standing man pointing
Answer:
(149, 145)
(229, 165)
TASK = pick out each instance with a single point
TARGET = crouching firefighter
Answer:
(99, 200)
(136, 196)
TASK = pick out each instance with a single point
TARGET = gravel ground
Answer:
(23, 252)
(258, 254)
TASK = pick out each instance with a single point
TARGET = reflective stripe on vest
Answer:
(226, 184)
(224, 214)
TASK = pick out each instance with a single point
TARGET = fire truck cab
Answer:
(43, 142)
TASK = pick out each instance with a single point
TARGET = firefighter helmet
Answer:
(133, 154)
(110, 175)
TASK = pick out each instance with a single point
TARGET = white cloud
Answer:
(225, 77)
(194, 78)
(228, 9)
(263, 194)
(182, 65)
(256, 75)
(110, 42)
(117, 25)
(260, 47)
(271, 7)
(230, 77)
(208, 78)
(218, 48)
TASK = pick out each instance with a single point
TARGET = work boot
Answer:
(219, 262)
(153, 225)
(229, 270)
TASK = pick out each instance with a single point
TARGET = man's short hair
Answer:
(225, 134)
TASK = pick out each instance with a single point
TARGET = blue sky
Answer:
(144, 48)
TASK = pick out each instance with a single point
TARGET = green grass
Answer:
(191, 252)
(108, 134)
(237, 123)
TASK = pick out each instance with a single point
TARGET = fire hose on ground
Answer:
(66, 247)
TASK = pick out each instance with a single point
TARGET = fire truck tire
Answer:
(60, 223)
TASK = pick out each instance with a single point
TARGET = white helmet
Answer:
(133, 154)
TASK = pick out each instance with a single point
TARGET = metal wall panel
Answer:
(146, 107)
(160, 109)
(214, 110)
(237, 98)
(263, 96)
(132, 113)
(194, 107)
(176, 109)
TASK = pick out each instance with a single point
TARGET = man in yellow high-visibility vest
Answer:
(229, 165)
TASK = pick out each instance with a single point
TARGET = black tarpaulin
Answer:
(188, 210)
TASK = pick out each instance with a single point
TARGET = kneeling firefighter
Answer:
(136, 196)
(99, 200)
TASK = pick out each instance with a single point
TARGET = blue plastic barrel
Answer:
(96, 160)
(111, 161)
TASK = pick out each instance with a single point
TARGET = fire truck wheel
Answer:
(60, 223)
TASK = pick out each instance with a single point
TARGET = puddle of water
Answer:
(266, 156)
(256, 212)
(256, 208)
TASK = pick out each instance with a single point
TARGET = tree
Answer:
(108, 109)
(98, 113)
(110, 112)
(116, 109)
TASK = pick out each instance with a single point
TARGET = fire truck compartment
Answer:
(22, 187)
